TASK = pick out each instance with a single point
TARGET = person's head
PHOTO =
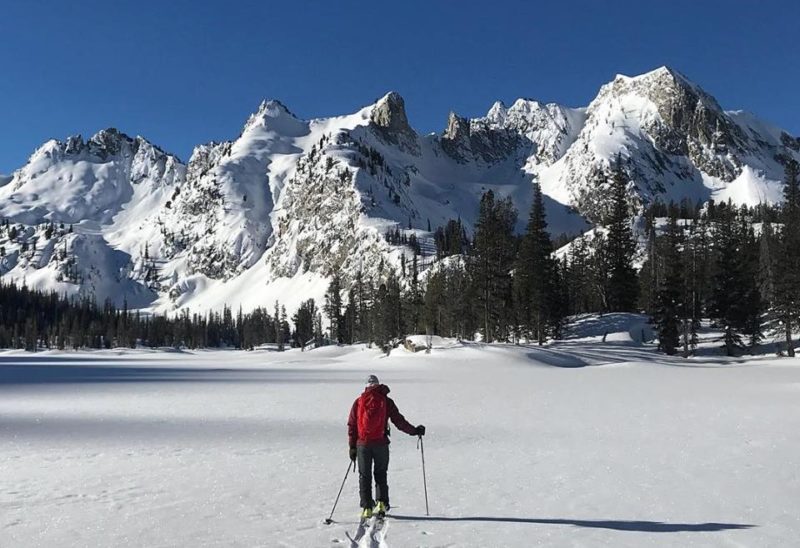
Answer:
(372, 380)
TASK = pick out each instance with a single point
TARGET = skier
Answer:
(368, 434)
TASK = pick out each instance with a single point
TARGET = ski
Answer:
(360, 532)
(370, 533)
(378, 532)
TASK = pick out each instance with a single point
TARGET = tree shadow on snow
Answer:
(567, 355)
(617, 525)
(13, 374)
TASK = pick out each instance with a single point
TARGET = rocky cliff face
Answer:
(271, 214)
(389, 121)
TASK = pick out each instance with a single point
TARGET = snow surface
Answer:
(580, 443)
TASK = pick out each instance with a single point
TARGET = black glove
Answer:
(353, 454)
(420, 430)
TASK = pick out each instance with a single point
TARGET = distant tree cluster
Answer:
(451, 239)
(396, 237)
(738, 266)
(511, 288)
(33, 320)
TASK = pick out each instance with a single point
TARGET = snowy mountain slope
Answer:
(221, 217)
(677, 143)
(271, 214)
(74, 181)
(109, 188)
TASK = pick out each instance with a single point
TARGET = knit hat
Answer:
(372, 379)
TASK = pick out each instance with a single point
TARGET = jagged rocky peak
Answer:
(525, 115)
(105, 144)
(467, 140)
(272, 115)
(690, 122)
(497, 114)
(102, 146)
(273, 107)
(388, 118)
(543, 132)
(269, 108)
(390, 113)
(673, 94)
(457, 128)
(456, 137)
(206, 156)
(108, 140)
(74, 144)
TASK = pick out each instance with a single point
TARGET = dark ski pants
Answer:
(367, 455)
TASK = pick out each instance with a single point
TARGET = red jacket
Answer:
(391, 413)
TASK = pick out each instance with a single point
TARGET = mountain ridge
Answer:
(279, 208)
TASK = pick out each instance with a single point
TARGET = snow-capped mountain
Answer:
(677, 143)
(269, 215)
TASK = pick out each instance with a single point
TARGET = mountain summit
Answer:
(272, 213)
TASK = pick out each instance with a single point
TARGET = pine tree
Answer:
(751, 287)
(787, 258)
(393, 314)
(388, 317)
(380, 321)
(333, 308)
(599, 268)
(534, 275)
(735, 299)
(414, 299)
(491, 263)
(669, 295)
(364, 294)
(581, 279)
(350, 317)
(648, 275)
(434, 303)
(692, 282)
(284, 328)
(559, 300)
(304, 322)
(276, 318)
(622, 287)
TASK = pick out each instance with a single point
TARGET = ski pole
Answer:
(424, 480)
(330, 519)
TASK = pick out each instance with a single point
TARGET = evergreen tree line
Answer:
(32, 320)
(715, 264)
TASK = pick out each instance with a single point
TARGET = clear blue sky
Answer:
(185, 72)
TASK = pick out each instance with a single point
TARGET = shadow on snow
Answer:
(617, 525)
(28, 373)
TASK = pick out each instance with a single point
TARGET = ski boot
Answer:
(381, 508)
(366, 513)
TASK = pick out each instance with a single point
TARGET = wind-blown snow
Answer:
(574, 444)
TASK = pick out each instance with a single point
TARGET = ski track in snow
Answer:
(574, 444)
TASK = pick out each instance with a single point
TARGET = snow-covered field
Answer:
(525, 447)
